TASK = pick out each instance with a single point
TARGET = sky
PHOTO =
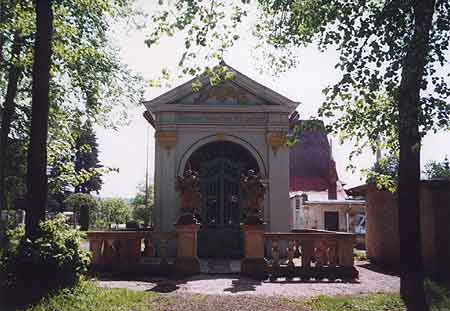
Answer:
(125, 148)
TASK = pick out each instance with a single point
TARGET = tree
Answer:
(88, 80)
(143, 205)
(387, 49)
(111, 211)
(435, 169)
(13, 73)
(86, 159)
(37, 152)
(384, 174)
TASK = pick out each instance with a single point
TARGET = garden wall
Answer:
(382, 238)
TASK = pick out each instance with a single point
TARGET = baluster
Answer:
(321, 252)
(96, 248)
(332, 253)
(149, 250)
(275, 254)
(290, 251)
(297, 253)
(307, 253)
(117, 245)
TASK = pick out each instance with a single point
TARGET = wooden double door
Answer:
(220, 235)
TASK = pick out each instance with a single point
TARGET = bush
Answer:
(438, 296)
(434, 169)
(30, 269)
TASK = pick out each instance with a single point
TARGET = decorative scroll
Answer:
(188, 187)
(255, 189)
(276, 140)
(166, 139)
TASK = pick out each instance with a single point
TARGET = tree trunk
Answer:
(412, 287)
(37, 151)
(8, 112)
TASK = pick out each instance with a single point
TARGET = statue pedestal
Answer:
(187, 261)
(254, 264)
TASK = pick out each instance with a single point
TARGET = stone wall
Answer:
(382, 236)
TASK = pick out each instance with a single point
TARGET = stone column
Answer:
(187, 261)
(254, 264)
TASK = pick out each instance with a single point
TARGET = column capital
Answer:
(166, 139)
(276, 140)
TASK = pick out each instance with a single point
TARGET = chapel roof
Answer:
(183, 93)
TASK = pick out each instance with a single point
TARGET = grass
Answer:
(438, 296)
(88, 297)
(373, 302)
(359, 255)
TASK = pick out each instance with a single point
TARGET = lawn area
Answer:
(374, 302)
(89, 297)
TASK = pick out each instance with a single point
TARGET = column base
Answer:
(254, 267)
(187, 266)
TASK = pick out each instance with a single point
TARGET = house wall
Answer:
(314, 213)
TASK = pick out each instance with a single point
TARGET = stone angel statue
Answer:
(188, 187)
(255, 188)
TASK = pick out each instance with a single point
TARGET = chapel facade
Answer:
(221, 132)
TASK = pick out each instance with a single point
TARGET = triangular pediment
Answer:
(238, 91)
(227, 93)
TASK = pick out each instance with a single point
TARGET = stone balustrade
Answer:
(130, 251)
(311, 254)
(304, 254)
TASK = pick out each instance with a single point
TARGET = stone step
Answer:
(220, 266)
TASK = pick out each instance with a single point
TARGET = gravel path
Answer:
(371, 280)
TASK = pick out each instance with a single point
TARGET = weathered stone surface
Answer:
(254, 264)
(187, 266)
(255, 189)
(187, 261)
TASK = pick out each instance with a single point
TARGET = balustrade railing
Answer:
(311, 254)
(129, 251)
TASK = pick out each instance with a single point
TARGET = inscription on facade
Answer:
(233, 118)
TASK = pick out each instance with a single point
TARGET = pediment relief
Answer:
(227, 93)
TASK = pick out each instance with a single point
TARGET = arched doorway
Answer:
(221, 165)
